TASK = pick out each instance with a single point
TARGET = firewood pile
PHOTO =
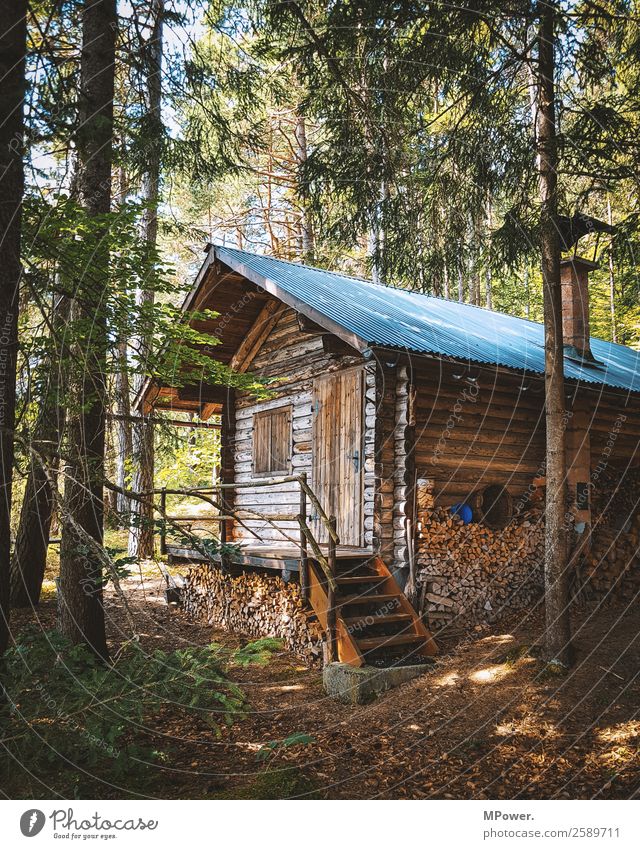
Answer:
(254, 605)
(471, 574)
(612, 566)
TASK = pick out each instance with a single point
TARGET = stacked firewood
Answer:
(254, 605)
(471, 574)
(612, 566)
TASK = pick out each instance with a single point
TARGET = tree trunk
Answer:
(124, 435)
(488, 280)
(13, 48)
(558, 631)
(29, 559)
(612, 281)
(306, 226)
(141, 530)
(123, 441)
(81, 609)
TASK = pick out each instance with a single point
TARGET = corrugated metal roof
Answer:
(397, 318)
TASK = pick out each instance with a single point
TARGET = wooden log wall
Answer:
(614, 428)
(404, 472)
(293, 358)
(470, 434)
(369, 480)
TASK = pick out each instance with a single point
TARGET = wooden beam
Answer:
(204, 393)
(306, 325)
(209, 410)
(202, 425)
(147, 399)
(333, 345)
(260, 329)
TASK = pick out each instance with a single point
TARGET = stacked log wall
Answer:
(475, 428)
(404, 472)
(384, 425)
(473, 433)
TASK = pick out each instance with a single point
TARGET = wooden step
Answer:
(359, 579)
(371, 620)
(366, 599)
(371, 643)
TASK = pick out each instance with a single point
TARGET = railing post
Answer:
(163, 525)
(331, 595)
(304, 554)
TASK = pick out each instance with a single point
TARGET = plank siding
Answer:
(294, 359)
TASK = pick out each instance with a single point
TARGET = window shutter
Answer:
(272, 441)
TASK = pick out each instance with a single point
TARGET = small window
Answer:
(272, 441)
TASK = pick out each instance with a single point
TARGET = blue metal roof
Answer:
(398, 318)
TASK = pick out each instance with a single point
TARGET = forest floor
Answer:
(486, 721)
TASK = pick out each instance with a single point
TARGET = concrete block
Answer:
(359, 685)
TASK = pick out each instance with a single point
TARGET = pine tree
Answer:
(81, 610)
(141, 531)
(13, 48)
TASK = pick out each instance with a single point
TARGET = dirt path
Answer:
(486, 721)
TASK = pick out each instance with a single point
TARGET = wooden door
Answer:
(338, 452)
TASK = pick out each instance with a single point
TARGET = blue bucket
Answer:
(464, 511)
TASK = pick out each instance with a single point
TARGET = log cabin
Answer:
(418, 423)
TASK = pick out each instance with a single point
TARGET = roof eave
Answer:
(273, 288)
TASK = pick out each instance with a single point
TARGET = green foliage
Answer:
(418, 122)
(62, 706)
(257, 652)
(275, 783)
(185, 458)
(60, 237)
(299, 738)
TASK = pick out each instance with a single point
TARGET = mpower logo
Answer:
(32, 822)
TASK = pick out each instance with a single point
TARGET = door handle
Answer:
(356, 460)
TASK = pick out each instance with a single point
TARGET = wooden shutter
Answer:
(272, 441)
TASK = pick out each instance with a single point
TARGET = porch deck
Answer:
(266, 555)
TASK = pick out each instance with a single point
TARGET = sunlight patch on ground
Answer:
(496, 640)
(248, 747)
(448, 680)
(622, 733)
(490, 674)
(528, 726)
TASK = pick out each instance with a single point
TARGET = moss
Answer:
(285, 783)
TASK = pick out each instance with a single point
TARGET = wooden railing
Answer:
(307, 540)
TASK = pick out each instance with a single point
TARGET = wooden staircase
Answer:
(374, 622)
